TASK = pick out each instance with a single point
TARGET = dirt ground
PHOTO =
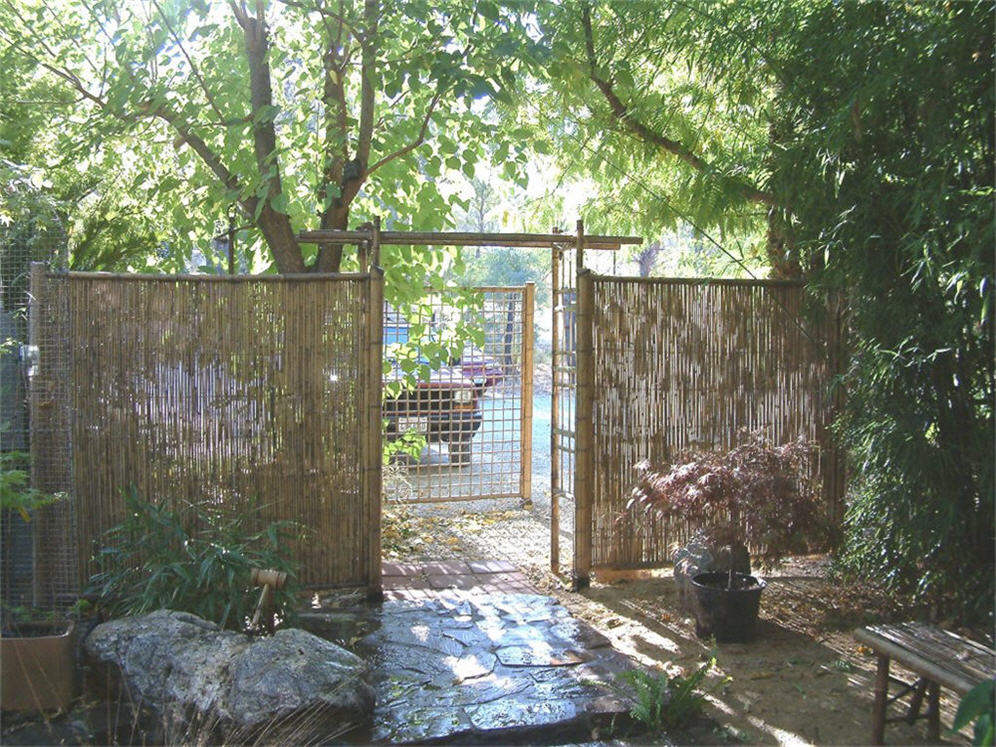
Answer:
(804, 680)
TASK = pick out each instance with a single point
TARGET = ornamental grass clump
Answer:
(756, 495)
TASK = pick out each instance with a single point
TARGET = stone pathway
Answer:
(414, 581)
(468, 652)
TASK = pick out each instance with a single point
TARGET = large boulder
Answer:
(192, 674)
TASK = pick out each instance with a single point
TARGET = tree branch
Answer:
(193, 68)
(414, 143)
(625, 118)
(371, 16)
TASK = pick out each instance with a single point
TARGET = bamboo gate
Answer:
(666, 364)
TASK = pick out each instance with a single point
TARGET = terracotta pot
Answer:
(38, 673)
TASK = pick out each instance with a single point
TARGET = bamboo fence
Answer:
(670, 364)
(250, 394)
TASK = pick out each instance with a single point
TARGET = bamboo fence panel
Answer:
(243, 394)
(680, 363)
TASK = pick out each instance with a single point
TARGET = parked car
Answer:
(443, 409)
(475, 365)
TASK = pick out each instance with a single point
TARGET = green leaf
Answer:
(977, 702)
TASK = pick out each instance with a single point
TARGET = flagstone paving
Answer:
(470, 653)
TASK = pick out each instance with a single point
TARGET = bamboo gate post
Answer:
(556, 297)
(374, 447)
(526, 386)
(40, 428)
(584, 471)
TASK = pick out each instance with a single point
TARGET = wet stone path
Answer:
(472, 663)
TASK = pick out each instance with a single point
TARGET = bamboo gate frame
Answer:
(59, 432)
(589, 473)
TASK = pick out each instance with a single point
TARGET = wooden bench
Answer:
(940, 658)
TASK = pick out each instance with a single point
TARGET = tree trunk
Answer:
(276, 226)
(783, 255)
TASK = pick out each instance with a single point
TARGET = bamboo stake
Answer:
(526, 421)
(374, 456)
(584, 427)
(555, 477)
(39, 428)
(582, 242)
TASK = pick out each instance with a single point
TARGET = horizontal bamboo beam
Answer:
(215, 278)
(451, 498)
(742, 282)
(456, 238)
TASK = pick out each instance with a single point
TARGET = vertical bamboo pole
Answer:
(37, 426)
(526, 432)
(556, 295)
(375, 244)
(584, 429)
(374, 450)
(362, 250)
(580, 244)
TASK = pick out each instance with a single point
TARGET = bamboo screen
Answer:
(246, 393)
(681, 363)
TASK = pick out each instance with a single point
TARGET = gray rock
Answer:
(189, 671)
(698, 556)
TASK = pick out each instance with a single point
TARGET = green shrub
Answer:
(665, 702)
(198, 560)
(978, 705)
(15, 491)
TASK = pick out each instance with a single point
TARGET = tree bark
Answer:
(275, 226)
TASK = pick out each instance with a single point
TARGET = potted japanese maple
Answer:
(757, 496)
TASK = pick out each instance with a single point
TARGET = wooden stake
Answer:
(555, 486)
(374, 450)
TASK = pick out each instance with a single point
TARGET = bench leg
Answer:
(933, 713)
(881, 698)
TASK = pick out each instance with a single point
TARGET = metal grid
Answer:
(38, 567)
(464, 431)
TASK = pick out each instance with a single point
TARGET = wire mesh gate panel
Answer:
(245, 393)
(467, 424)
(39, 564)
(564, 391)
(672, 363)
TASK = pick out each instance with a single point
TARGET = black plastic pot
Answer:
(730, 615)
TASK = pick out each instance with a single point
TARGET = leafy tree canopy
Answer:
(301, 114)
(665, 107)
